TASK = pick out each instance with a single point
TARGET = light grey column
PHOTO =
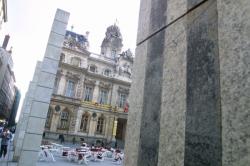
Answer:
(22, 124)
(96, 92)
(43, 91)
(234, 50)
(61, 85)
(19, 121)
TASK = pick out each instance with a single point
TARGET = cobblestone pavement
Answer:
(65, 162)
(60, 161)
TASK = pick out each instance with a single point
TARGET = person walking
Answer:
(6, 136)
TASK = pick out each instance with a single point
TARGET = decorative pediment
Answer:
(123, 90)
(105, 85)
(89, 81)
(73, 75)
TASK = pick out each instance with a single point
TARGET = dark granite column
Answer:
(203, 114)
(150, 120)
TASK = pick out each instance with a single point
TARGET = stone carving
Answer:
(89, 81)
(127, 55)
(75, 41)
(105, 85)
(72, 75)
(123, 90)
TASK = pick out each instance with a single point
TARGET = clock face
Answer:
(57, 108)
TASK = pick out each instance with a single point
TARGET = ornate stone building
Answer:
(91, 90)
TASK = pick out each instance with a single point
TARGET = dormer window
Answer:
(107, 72)
(93, 68)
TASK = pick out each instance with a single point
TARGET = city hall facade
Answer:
(89, 101)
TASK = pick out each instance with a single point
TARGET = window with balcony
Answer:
(84, 122)
(100, 125)
(103, 96)
(70, 88)
(88, 93)
(122, 100)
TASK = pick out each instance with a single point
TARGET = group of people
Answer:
(5, 136)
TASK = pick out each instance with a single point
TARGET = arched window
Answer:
(49, 118)
(107, 72)
(93, 68)
(64, 120)
(84, 122)
(100, 125)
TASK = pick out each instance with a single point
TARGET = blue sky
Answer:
(29, 23)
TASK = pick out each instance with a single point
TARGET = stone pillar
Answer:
(114, 95)
(78, 120)
(234, 51)
(114, 129)
(23, 121)
(110, 122)
(61, 85)
(43, 91)
(54, 121)
(96, 92)
(92, 126)
(73, 121)
(192, 73)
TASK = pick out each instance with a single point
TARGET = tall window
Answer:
(84, 122)
(122, 99)
(64, 121)
(100, 125)
(70, 88)
(113, 53)
(92, 68)
(49, 117)
(88, 93)
(107, 72)
(103, 97)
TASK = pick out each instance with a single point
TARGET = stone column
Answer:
(43, 91)
(114, 95)
(192, 73)
(73, 121)
(234, 51)
(114, 130)
(20, 121)
(110, 128)
(61, 85)
(96, 92)
(78, 120)
(23, 121)
(54, 121)
(92, 126)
